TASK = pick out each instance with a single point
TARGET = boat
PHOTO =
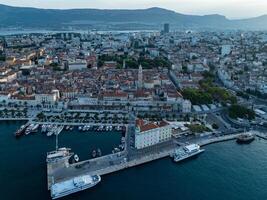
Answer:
(73, 185)
(245, 138)
(84, 128)
(51, 131)
(60, 153)
(94, 153)
(35, 128)
(21, 131)
(43, 128)
(29, 129)
(76, 158)
(187, 151)
(99, 152)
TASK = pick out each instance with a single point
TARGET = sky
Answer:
(232, 9)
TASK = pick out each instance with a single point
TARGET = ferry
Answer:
(187, 152)
(73, 185)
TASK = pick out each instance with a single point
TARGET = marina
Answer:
(63, 170)
(225, 157)
(66, 166)
(56, 128)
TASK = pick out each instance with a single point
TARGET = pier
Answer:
(115, 162)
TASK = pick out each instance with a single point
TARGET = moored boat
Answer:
(245, 138)
(21, 131)
(73, 185)
(185, 152)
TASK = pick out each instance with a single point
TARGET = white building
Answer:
(186, 106)
(225, 78)
(226, 50)
(77, 65)
(148, 133)
(48, 97)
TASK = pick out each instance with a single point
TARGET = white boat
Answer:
(54, 156)
(50, 133)
(76, 158)
(29, 129)
(35, 128)
(43, 128)
(187, 152)
(73, 185)
(51, 130)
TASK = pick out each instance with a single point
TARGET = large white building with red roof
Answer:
(151, 133)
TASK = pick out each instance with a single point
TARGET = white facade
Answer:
(165, 133)
(147, 138)
(186, 106)
(47, 98)
(152, 134)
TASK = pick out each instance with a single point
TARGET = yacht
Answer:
(245, 138)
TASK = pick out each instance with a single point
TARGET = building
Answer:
(140, 77)
(186, 106)
(226, 50)
(151, 133)
(77, 65)
(166, 28)
(48, 97)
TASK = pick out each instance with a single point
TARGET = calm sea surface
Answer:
(226, 171)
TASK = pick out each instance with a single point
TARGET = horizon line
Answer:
(129, 9)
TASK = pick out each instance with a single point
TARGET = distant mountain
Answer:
(119, 19)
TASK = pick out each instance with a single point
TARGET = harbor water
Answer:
(225, 171)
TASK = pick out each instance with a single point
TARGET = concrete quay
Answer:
(218, 139)
(114, 162)
(261, 135)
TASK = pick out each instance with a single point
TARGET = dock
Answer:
(261, 135)
(114, 162)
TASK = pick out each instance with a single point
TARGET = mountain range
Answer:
(151, 18)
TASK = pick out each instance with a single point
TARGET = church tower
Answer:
(140, 77)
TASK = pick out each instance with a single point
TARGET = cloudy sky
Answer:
(229, 8)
